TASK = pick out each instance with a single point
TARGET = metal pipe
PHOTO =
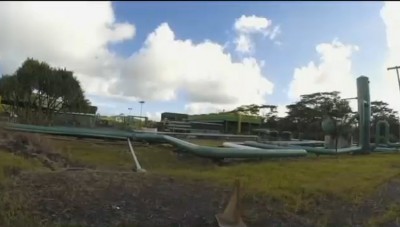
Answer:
(314, 150)
(398, 81)
(137, 164)
(202, 151)
(364, 110)
(235, 145)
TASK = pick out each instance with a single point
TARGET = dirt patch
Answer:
(127, 199)
(99, 198)
(36, 147)
(378, 204)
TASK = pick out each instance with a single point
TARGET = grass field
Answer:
(300, 186)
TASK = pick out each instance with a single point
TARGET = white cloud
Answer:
(244, 44)
(248, 26)
(48, 31)
(282, 110)
(332, 73)
(204, 72)
(154, 116)
(252, 24)
(162, 68)
(385, 87)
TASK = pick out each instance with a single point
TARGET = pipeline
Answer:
(236, 145)
(314, 150)
(393, 145)
(247, 151)
(69, 131)
(384, 150)
(323, 151)
(202, 151)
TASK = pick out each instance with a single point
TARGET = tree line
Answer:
(35, 92)
(305, 116)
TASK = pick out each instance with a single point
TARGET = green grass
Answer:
(10, 163)
(118, 157)
(205, 142)
(300, 183)
(297, 182)
(97, 155)
(391, 215)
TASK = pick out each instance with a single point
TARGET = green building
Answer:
(232, 122)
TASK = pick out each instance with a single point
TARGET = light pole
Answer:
(398, 80)
(141, 106)
(129, 116)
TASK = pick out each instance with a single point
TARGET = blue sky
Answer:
(354, 33)
(303, 25)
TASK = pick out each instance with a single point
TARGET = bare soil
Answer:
(36, 147)
(91, 198)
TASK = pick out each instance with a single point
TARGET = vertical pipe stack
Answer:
(364, 111)
(382, 132)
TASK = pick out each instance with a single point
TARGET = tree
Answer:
(253, 109)
(38, 91)
(306, 115)
(381, 111)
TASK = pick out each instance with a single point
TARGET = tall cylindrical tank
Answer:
(328, 125)
(382, 132)
(364, 111)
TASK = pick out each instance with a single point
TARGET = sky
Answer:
(202, 57)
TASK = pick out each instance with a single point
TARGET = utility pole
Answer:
(397, 71)
(398, 80)
(141, 105)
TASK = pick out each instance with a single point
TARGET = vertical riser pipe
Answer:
(364, 111)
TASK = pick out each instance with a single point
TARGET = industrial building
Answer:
(211, 123)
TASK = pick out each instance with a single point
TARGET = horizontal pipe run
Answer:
(235, 145)
(314, 150)
(202, 151)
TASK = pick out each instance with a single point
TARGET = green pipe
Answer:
(393, 145)
(264, 145)
(364, 110)
(235, 145)
(202, 151)
(382, 132)
(385, 149)
(69, 131)
(314, 150)
(389, 145)
(215, 152)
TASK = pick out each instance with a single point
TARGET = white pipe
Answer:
(235, 145)
(137, 164)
